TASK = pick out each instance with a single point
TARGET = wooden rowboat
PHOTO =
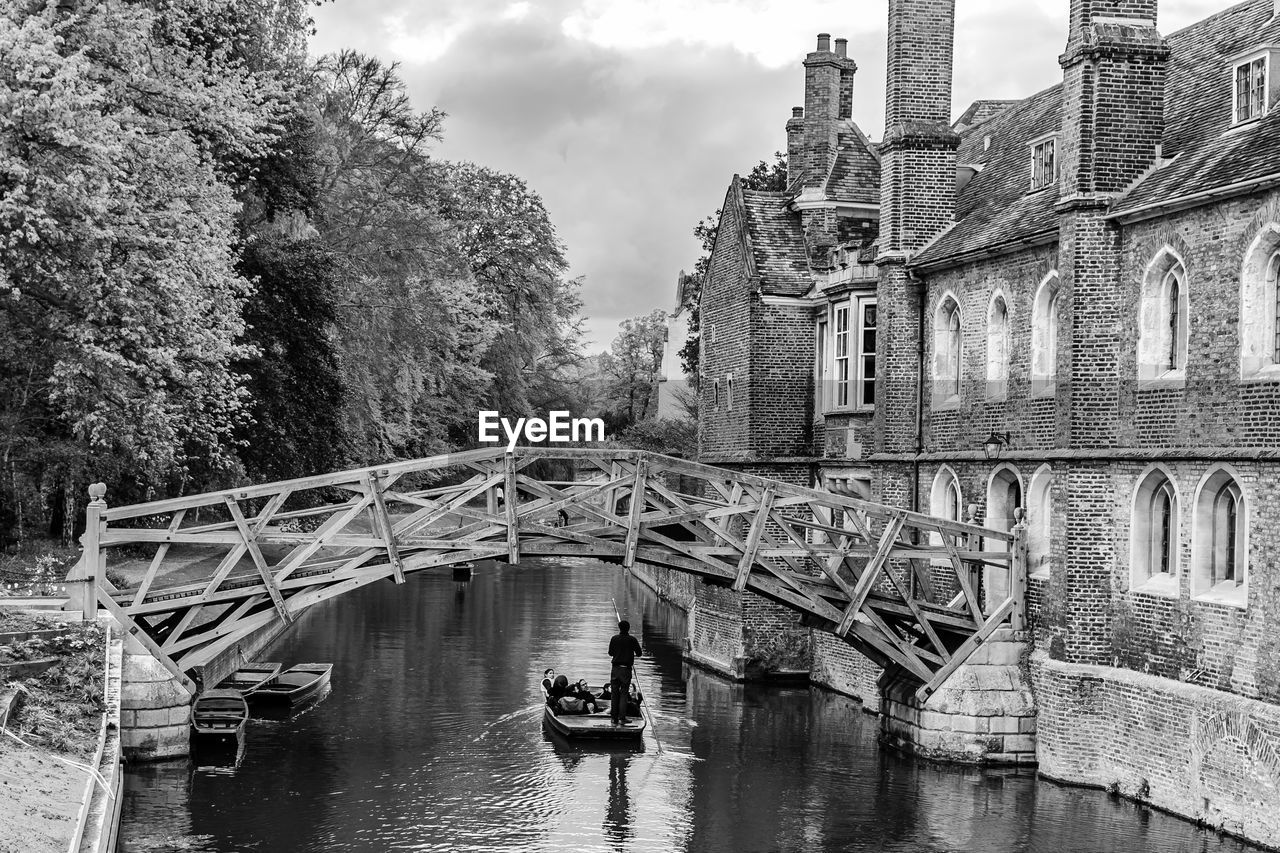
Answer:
(597, 726)
(218, 719)
(294, 687)
(250, 677)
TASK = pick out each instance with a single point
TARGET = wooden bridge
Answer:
(914, 593)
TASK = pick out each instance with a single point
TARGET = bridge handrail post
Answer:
(1018, 571)
(93, 561)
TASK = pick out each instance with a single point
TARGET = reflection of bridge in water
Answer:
(915, 594)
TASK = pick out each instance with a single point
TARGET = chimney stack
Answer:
(821, 111)
(848, 69)
(1113, 73)
(918, 165)
(795, 145)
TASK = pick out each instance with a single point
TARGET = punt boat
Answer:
(597, 726)
(218, 719)
(294, 687)
(250, 677)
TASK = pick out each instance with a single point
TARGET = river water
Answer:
(431, 740)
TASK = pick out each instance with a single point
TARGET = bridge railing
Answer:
(909, 590)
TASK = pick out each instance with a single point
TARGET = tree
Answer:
(295, 426)
(411, 330)
(119, 298)
(765, 176)
(513, 252)
(632, 366)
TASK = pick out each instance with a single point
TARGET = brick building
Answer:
(1088, 280)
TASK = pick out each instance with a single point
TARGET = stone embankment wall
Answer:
(722, 638)
(1205, 754)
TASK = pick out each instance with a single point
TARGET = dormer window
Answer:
(1044, 162)
(1251, 89)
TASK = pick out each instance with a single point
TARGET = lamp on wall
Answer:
(995, 443)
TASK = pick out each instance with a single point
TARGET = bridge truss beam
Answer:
(912, 592)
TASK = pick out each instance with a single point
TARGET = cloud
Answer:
(630, 116)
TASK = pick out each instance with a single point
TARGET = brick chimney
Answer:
(821, 111)
(795, 145)
(917, 200)
(1113, 72)
(918, 160)
(847, 72)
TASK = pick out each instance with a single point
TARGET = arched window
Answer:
(1154, 532)
(948, 351)
(1163, 318)
(1004, 496)
(1040, 521)
(1220, 538)
(1260, 306)
(997, 347)
(1044, 337)
(945, 501)
(1273, 290)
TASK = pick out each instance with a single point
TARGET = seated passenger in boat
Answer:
(558, 690)
(582, 692)
(548, 680)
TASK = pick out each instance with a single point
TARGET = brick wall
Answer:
(725, 310)
(1200, 753)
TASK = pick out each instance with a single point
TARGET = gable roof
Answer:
(1209, 154)
(980, 111)
(773, 240)
(994, 208)
(854, 177)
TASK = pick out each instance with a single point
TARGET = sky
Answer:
(629, 117)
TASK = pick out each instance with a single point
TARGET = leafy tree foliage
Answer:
(519, 264)
(221, 260)
(411, 330)
(632, 366)
(119, 297)
(295, 389)
(768, 176)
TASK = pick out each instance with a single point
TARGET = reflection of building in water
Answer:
(840, 784)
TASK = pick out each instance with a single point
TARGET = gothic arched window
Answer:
(997, 347)
(1163, 319)
(1044, 337)
(1260, 306)
(1154, 532)
(948, 351)
(1221, 538)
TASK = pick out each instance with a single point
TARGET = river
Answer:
(431, 740)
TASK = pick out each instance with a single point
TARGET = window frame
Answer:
(947, 388)
(1253, 86)
(1210, 579)
(846, 366)
(1045, 329)
(1164, 327)
(1044, 173)
(1155, 537)
(998, 336)
(1260, 307)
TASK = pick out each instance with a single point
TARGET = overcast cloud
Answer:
(630, 117)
